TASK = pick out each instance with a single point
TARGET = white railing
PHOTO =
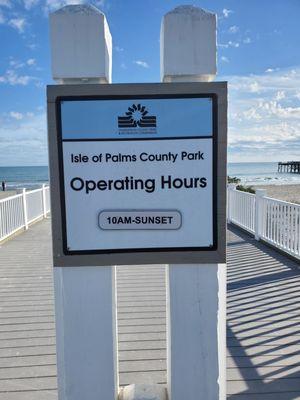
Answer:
(274, 221)
(17, 212)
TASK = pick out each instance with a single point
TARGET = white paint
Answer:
(44, 200)
(259, 217)
(275, 221)
(188, 45)
(143, 392)
(196, 331)
(85, 297)
(196, 294)
(81, 45)
(85, 333)
(25, 209)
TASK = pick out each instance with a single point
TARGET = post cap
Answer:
(81, 44)
(188, 45)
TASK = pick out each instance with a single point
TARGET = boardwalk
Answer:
(263, 321)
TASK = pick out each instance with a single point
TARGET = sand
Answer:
(7, 193)
(289, 193)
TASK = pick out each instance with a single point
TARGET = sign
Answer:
(137, 175)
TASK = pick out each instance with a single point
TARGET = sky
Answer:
(258, 54)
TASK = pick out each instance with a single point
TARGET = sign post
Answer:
(85, 305)
(196, 298)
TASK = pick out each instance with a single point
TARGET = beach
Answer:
(290, 193)
(7, 193)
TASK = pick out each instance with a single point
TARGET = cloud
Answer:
(229, 44)
(28, 133)
(247, 40)
(2, 18)
(28, 4)
(119, 49)
(233, 29)
(141, 63)
(31, 61)
(224, 59)
(264, 116)
(52, 5)
(16, 115)
(5, 3)
(226, 12)
(11, 77)
(18, 24)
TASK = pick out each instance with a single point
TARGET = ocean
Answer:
(261, 174)
(249, 173)
(24, 177)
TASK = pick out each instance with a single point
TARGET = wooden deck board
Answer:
(263, 352)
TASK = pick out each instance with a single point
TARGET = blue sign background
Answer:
(98, 119)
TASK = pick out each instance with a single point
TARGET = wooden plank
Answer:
(263, 360)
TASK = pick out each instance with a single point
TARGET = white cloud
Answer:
(5, 3)
(55, 4)
(226, 12)
(11, 77)
(247, 40)
(233, 29)
(2, 18)
(29, 134)
(119, 49)
(224, 59)
(16, 64)
(264, 116)
(141, 63)
(31, 61)
(18, 24)
(28, 4)
(280, 95)
(229, 44)
(16, 115)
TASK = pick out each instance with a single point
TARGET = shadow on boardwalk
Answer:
(263, 321)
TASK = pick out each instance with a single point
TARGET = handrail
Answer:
(20, 210)
(274, 221)
(10, 198)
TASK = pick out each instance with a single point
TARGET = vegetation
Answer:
(233, 180)
(248, 189)
(237, 181)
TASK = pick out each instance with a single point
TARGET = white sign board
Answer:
(137, 174)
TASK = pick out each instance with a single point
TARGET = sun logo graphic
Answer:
(137, 117)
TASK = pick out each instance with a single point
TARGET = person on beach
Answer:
(3, 186)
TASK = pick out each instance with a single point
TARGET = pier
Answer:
(289, 167)
(263, 356)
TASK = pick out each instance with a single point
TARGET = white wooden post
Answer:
(230, 202)
(259, 194)
(24, 199)
(196, 295)
(44, 201)
(84, 296)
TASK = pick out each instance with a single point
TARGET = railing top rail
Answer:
(287, 203)
(36, 190)
(10, 198)
(242, 192)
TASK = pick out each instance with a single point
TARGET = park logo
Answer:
(137, 120)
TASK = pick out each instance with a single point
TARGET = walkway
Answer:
(263, 317)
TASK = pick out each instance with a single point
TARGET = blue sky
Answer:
(258, 53)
